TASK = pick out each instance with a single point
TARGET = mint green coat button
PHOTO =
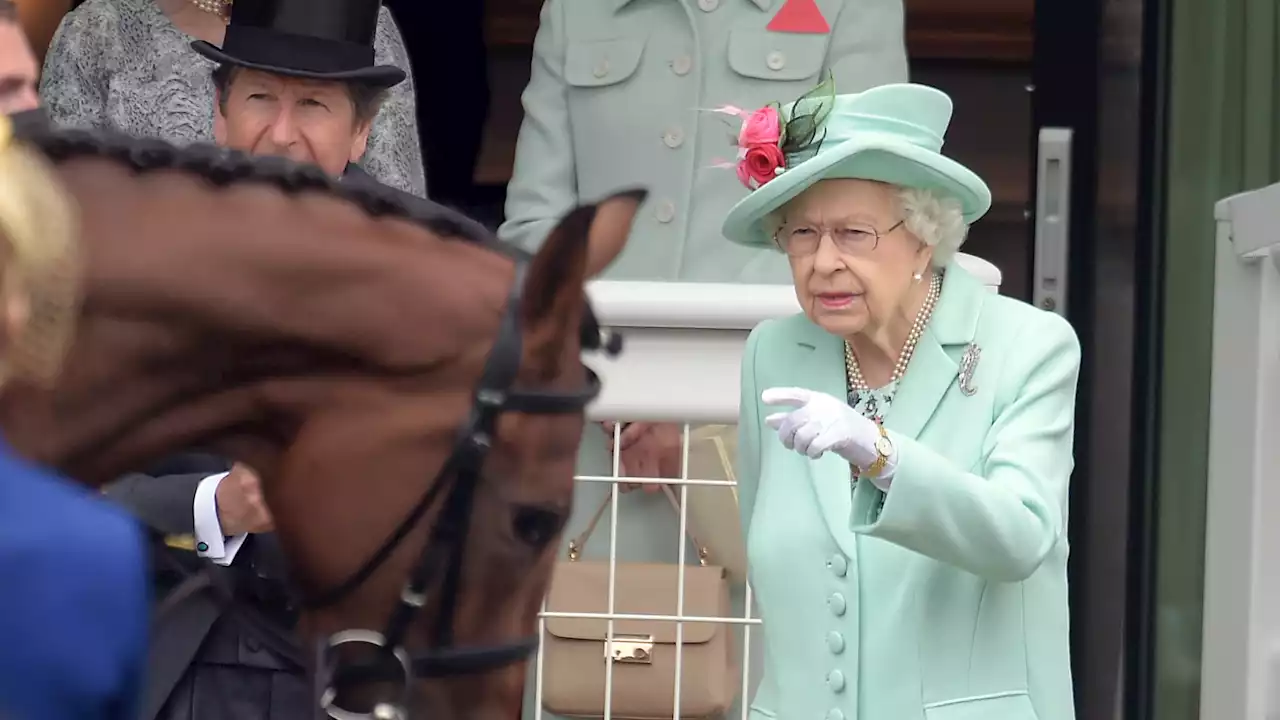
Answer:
(835, 681)
(836, 604)
(838, 565)
(835, 642)
(665, 212)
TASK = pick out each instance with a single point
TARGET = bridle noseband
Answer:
(442, 556)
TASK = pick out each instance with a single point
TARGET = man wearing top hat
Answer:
(295, 79)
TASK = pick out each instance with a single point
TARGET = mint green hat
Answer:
(890, 133)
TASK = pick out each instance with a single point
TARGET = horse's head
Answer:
(428, 510)
(412, 397)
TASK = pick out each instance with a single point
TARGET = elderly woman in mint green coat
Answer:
(619, 95)
(905, 442)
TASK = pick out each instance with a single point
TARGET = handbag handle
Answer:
(577, 544)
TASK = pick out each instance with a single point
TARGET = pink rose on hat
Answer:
(762, 127)
(759, 165)
(760, 157)
(767, 140)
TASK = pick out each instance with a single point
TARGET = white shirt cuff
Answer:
(210, 542)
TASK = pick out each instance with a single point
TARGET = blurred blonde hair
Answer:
(40, 264)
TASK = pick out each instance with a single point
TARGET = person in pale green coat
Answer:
(905, 443)
(620, 95)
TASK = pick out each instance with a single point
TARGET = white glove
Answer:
(821, 423)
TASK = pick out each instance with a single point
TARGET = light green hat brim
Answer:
(870, 156)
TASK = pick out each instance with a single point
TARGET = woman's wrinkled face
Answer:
(853, 261)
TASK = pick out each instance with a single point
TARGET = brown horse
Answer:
(334, 341)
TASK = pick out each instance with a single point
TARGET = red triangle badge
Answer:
(799, 16)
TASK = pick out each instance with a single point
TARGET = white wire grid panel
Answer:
(680, 363)
(680, 619)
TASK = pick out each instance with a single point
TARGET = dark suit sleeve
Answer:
(165, 503)
(163, 495)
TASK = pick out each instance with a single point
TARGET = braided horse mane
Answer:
(224, 167)
(224, 171)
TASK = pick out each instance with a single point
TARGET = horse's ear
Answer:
(611, 228)
(581, 245)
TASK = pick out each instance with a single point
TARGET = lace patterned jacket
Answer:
(121, 64)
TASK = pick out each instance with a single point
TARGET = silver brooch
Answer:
(969, 365)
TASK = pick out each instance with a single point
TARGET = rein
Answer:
(453, 487)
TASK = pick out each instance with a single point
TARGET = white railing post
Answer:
(1240, 662)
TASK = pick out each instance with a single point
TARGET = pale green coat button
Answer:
(835, 642)
(666, 211)
(673, 138)
(682, 65)
(708, 5)
(836, 603)
(835, 714)
(775, 60)
(838, 565)
(601, 69)
(835, 681)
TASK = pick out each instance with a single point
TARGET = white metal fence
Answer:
(681, 365)
(1240, 660)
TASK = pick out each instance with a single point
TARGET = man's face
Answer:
(308, 121)
(18, 71)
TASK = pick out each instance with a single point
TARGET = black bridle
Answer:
(442, 555)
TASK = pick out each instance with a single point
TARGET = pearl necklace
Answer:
(221, 8)
(854, 373)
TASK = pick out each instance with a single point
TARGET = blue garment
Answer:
(74, 600)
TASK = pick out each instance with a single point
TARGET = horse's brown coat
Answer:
(335, 353)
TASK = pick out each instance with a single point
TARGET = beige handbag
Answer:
(644, 651)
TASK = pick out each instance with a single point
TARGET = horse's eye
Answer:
(537, 526)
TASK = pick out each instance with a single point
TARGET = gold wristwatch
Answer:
(884, 449)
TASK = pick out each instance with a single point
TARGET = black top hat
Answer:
(318, 39)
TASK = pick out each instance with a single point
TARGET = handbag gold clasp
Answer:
(634, 649)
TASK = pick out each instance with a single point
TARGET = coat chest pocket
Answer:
(764, 55)
(601, 63)
(1006, 706)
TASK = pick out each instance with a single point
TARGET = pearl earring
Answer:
(918, 276)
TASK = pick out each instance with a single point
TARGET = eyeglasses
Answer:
(851, 239)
